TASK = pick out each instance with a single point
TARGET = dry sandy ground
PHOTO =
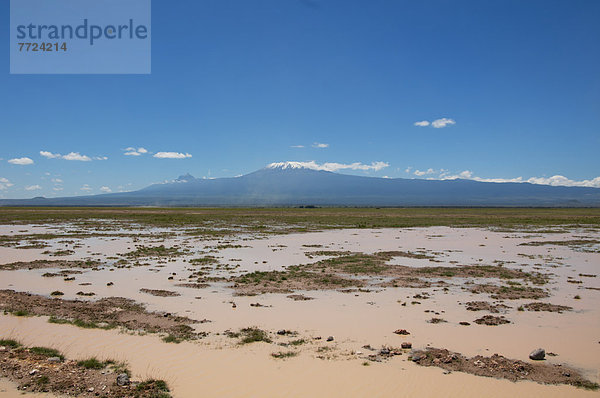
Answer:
(532, 287)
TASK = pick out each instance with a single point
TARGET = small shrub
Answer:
(283, 355)
(47, 352)
(59, 321)
(152, 388)
(92, 363)
(10, 343)
(171, 339)
(253, 334)
(297, 342)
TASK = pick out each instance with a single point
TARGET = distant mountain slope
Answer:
(288, 184)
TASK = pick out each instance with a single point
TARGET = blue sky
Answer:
(513, 85)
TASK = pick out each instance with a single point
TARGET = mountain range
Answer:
(291, 184)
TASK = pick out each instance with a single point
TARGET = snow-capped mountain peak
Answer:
(312, 165)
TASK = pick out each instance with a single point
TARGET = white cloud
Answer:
(320, 145)
(86, 187)
(105, 189)
(5, 183)
(50, 155)
(20, 161)
(33, 188)
(57, 189)
(329, 166)
(408, 169)
(57, 180)
(71, 156)
(172, 155)
(438, 123)
(422, 173)
(297, 146)
(556, 180)
(441, 123)
(76, 156)
(131, 151)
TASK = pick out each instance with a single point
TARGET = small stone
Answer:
(384, 351)
(537, 354)
(123, 379)
(33, 371)
(2, 348)
(330, 338)
(402, 332)
(54, 359)
(406, 345)
(417, 357)
(282, 332)
(109, 284)
(91, 389)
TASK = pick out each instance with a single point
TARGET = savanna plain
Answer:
(282, 302)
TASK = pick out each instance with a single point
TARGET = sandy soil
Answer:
(390, 279)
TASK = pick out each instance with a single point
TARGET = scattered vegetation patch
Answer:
(92, 363)
(486, 306)
(437, 320)
(160, 293)
(171, 339)
(59, 253)
(10, 343)
(297, 342)
(42, 369)
(284, 355)
(206, 260)
(38, 264)
(585, 245)
(502, 368)
(152, 388)
(250, 335)
(293, 278)
(491, 320)
(104, 313)
(155, 251)
(46, 352)
(80, 323)
(539, 306)
(510, 292)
